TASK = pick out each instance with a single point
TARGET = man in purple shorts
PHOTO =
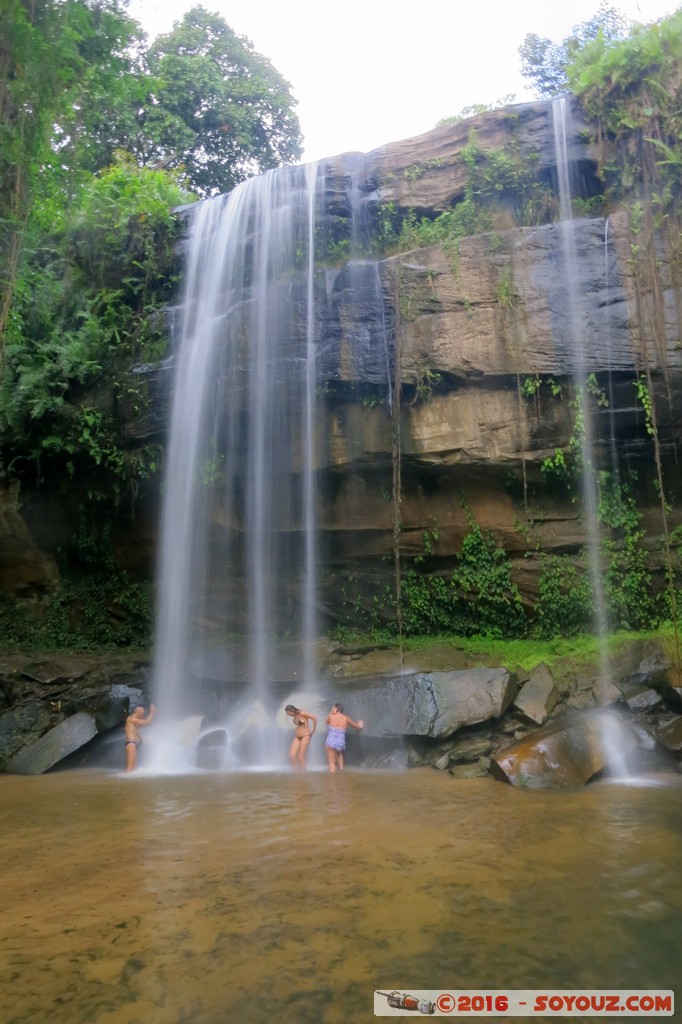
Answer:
(335, 744)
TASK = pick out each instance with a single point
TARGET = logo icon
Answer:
(403, 1001)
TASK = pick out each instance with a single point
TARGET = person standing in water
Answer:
(304, 733)
(335, 743)
(133, 738)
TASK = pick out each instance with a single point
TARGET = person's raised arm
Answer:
(356, 725)
(147, 720)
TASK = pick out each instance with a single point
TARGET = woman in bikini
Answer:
(335, 743)
(304, 733)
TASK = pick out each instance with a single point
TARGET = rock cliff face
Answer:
(478, 335)
(469, 429)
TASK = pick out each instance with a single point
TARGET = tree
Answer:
(100, 108)
(217, 106)
(47, 54)
(546, 63)
(474, 109)
(30, 79)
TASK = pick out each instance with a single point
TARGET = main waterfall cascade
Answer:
(239, 503)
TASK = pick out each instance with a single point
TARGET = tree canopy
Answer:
(199, 98)
(220, 107)
(546, 64)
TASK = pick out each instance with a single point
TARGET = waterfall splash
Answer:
(238, 554)
(577, 346)
(614, 735)
(617, 744)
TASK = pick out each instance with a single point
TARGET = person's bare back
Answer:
(336, 737)
(338, 720)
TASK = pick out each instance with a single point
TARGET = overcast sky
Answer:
(368, 72)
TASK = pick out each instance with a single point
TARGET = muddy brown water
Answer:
(277, 897)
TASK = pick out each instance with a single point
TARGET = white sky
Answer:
(369, 72)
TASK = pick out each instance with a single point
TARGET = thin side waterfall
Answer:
(612, 423)
(614, 734)
(577, 343)
(369, 333)
(238, 554)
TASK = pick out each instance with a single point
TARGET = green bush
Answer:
(477, 598)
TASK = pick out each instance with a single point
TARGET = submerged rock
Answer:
(468, 771)
(395, 760)
(471, 749)
(211, 750)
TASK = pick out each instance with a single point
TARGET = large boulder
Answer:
(538, 697)
(569, 752)
(55, 745)
(434, 704)
(29, 719)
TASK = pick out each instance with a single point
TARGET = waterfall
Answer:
(612, 405)
(577, 346)
(371, 339)
(238, 553)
